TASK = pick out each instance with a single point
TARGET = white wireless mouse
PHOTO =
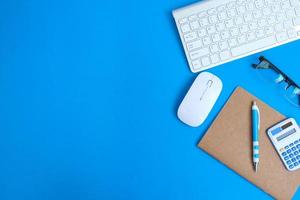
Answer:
(200, 99)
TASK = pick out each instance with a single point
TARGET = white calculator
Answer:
(285, 137)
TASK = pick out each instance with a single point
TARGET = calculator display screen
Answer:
(288, 133)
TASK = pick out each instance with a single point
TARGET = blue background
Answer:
(89, 93)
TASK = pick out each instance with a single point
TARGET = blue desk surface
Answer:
(89, 93)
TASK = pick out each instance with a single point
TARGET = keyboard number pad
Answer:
(291, 154)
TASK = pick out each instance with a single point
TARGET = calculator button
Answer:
(286, 158)
(289, 151)
(298, 146)
(296, 142)
(283, 153)
(286, 147)
(294, 149)
(291, 155)
(291, 166)
(296, 164)
(293, 159)
(298, 157)
(291, 145)
(289, 162)
(296, 153)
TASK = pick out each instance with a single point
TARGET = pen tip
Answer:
(256, 166)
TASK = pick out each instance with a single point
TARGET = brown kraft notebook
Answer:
(229, 140)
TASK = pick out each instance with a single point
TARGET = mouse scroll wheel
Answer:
(209, 83)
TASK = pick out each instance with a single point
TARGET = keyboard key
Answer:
(225, 55)
(293, 159)
(298, 146)
(213, 19)
(296, 153)
(199, 53)
(283, 154)
(248, 17)
(234, 31)
(259, 4)
(291, 166)
(202, 32)
(196, 64)
(223, 45)
(291, 155)
(231, 13)
(194, 45)
(286, 147)
(291, 145)
(281, 36)
(244, 28)
(211, 29)
(203, 22)
(275, 7)
(222, 16)
(296, 142)
(229, 23)
(298, 157)
(220, 26)
(225, 35)
(286, 158)
(241, 40)
(288, 162)
(214, 48)
(239, 20)
(194, 25)
(294, 148)
(214, 58)
(288, 24)
(241, 10)
(290, 13)
(271, 19)
(252, 25)
(185, 28)
(296, 21)
(296, 164)
(232, 42)
(252, 46)
(183, 21)
(205, 61)
(206, 41)
(190, 36)
(289, 151)
(285, 5)
(295, 3)
(269, 30)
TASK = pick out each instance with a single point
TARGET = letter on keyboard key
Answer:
(190, 36)
(194, 45)
(199, 53)
(250, 47)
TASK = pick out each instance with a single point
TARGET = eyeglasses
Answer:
(271, 73)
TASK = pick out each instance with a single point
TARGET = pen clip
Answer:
(258, 113)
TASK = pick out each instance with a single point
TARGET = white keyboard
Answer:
(214, 32)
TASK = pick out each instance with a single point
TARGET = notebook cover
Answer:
(229, 139)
